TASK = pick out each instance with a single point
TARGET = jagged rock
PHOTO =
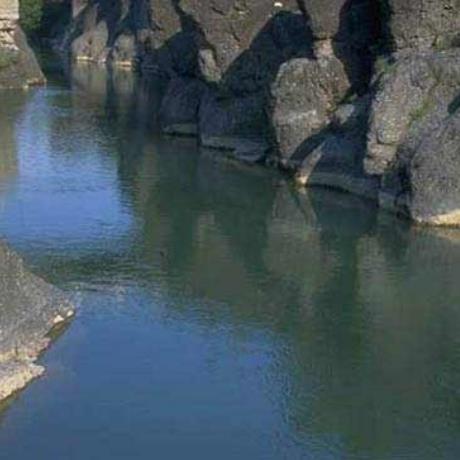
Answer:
(413, 96)
(423, 24)
(263, 76)
(18, 65)
(29, 310)
(305, 94)
(91, 45)
(346, 29)
(243, 41)
(434, 176)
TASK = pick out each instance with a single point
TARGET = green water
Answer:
(221, 314)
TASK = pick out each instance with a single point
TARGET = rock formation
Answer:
(343, 93)
(18, 65)
(29, 310)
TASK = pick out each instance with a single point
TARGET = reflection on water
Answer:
(222, 313)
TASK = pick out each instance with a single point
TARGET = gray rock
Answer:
(417, 24)
(413, 96)
(297, 77)
(434, 175)
(230, 29)
(305, 94)
(92, 44)
(232, 116)
(29, 310)
(180, 106)
(18, 65)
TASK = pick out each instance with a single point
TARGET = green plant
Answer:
(30, 12)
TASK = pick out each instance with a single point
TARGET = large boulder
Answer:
(29, 310)
(434, 176)
(413, 96)
(304, 96)
(18, 65)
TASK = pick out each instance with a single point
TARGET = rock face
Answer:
(423, 24)
(18, 65)
(434, 193)
(415, 98)
(29, 310)
(413, 95)
(305, 94)
(344, 93)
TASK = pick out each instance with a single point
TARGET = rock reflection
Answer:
(362, 311)
(8, 142)
(366, 306)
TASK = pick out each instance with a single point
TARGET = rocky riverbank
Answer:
(18, 66)
(29, 310)
(360, 95)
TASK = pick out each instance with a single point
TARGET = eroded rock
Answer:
(433, 194)
(413, 95)
(342, 93)
(29, 309)
(18, 65)
(305, 94)
(422, 24)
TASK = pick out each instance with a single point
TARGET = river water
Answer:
(221, 313)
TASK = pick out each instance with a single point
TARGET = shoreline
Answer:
(30, 310)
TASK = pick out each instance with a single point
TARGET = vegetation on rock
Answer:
(31, 12)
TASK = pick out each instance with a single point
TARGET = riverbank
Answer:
(30, 309)
(19, 68)
(361, 96)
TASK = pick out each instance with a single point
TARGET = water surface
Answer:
(221, 314)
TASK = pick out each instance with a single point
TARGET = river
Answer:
(221, 313)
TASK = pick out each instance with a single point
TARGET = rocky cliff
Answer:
(29, 310)
(361, 95)
(18, 65)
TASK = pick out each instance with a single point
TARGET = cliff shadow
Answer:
(357, 41)
(240, 101)
(284, 37)
(361, 40)
(233, 103)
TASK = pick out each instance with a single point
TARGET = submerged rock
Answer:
(29, 309)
